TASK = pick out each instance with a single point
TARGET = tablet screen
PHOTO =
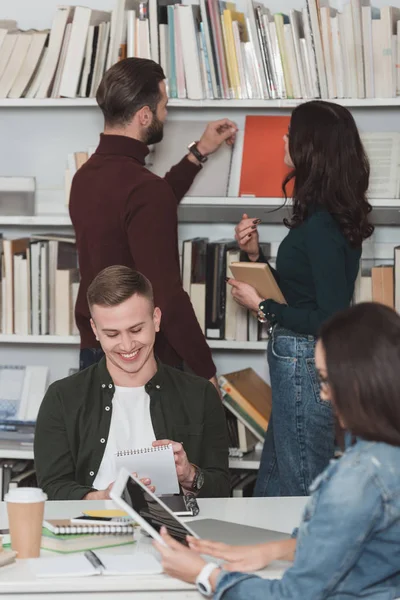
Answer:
(152, 511)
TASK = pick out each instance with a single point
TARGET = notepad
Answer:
(79, 566)
(157, 463)
(65, 527)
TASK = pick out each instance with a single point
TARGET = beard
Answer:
(155, 132)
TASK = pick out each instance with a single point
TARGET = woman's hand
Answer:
(246, 235)
(245, 294)
(178, 560)
(245, 558)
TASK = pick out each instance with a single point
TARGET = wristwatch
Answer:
(195, 151)
(203, 579)
(198, 479)
(261, 316)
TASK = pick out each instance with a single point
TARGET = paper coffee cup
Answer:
(25, 508)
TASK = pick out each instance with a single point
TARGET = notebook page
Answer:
(157, 463)
(130, 564)
(79, 566)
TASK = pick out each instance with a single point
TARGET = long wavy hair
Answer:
(331, 169)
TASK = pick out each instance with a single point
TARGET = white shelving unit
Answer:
(37, 136)
(249, 461)
(60, 340)
(200, 104)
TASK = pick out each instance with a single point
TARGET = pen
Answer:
(94, 560)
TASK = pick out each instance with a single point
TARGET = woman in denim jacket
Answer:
(348, 543)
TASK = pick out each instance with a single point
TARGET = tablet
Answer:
(147, 509)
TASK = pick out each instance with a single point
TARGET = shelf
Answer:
(40, 339)
(74, 340)
(218, 209)
(249, 461)
(185, 103)
(37, 220)
(232, 345)
(16, 450)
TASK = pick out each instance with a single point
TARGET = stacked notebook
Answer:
(64, 536)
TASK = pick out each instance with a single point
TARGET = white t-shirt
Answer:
(130, 428)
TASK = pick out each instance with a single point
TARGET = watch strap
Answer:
(203, 579)
(195, 151)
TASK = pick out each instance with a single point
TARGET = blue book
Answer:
(173, 90)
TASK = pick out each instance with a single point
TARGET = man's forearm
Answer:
(181, 177)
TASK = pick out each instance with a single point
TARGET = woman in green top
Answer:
(316, 268)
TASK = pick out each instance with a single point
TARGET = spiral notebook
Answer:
(158, 464)
(65, 527)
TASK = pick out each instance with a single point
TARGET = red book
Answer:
(263, 169)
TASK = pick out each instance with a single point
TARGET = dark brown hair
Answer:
(362, 350)
(331, 168)
(128, 86)
(113, 285)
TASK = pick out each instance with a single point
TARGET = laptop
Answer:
(150, 512)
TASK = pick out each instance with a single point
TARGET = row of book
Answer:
(315, 52)
(210, 50)
(255, 167)
(205, 266)
(39, 285)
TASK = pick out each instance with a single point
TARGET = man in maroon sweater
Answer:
(125, 215)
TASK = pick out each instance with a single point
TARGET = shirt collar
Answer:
(122, 145)
(156, 382)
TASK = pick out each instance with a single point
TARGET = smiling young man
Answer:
(128, 400)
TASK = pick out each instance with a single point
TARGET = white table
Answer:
(281, 514)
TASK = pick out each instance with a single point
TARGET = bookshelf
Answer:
(39, 139)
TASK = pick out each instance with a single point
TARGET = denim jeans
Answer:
(89, 357)
(300, 439)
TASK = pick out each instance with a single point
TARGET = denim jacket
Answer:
(348, 543)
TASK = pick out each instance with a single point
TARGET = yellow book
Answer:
(233, 68)
(279, 22)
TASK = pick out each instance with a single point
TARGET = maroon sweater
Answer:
(125, 215)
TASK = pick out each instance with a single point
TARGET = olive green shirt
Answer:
(74, 422)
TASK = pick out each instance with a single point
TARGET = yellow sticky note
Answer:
(105, 513)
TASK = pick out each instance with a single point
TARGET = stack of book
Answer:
(205, 266)
(210, 50)
(39, 285)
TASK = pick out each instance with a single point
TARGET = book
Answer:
(7, 557)
(212, 181)
(216, 291)
(79, 526)
(82, 566)
(65, 544)
(383, 285)
(260, 277)
(250, 397)
(263, 169)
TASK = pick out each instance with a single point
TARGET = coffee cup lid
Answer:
(25, 495)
